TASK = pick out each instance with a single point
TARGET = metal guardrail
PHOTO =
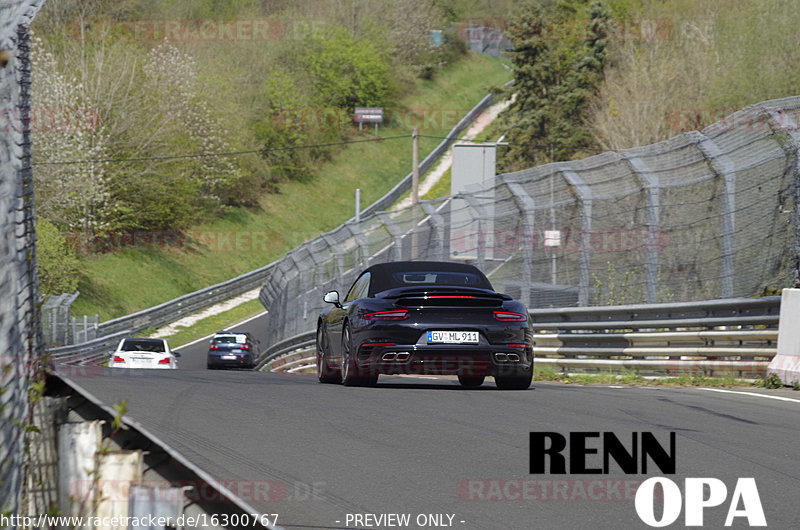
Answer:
(708, 313)
(302, 340)
(636, 337)
(91, 352)
(655, 337)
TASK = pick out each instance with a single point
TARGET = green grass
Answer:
(214, 323)
(628, 377)
(119, 283)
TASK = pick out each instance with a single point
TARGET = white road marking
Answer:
(779, 398)
(212, 334)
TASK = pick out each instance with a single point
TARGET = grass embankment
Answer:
(207, 326)
(127, 280)
(631, 378)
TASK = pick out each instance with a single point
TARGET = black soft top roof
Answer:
(383, 274)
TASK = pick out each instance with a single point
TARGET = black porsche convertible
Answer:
(424, 318)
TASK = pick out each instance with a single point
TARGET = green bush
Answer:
(58, 266)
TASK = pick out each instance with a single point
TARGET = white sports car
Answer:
(143, 353)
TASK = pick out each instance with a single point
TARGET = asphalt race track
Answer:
(444, 456)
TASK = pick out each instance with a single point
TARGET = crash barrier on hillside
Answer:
(715, 337)
(59, 329)
(703, 215)
(173, 310)
(786, 363)
(20, 340)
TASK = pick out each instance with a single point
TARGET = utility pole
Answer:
(358, 205)
(415, 166)
(414, 190)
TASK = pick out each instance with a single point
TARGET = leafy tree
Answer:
(559, 55)
(345, 71)
(58, 266)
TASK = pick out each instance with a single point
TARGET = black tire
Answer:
(471, 380)
(324, 372)
(520, 380)
(350, 372)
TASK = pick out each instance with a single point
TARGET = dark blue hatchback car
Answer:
(232, 349)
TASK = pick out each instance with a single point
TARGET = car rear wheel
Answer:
(516, 381)
(471, 380)
(350, 375)
(324, 372)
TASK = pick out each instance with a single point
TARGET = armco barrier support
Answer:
(786, 363)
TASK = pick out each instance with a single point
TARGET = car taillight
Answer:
(400, 314)
(508, 316)
(165, 360)
(213, 347)
(245, 346)
(118, 359)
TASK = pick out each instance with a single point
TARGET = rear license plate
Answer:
(452, 337)
(237, 350)
(228, 357)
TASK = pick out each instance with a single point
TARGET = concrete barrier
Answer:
(786, 363)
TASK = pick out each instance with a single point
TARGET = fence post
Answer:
(483, 217)
(785, 123)
(651, 181)
(585, 197)
(397, 234)
(724, 167)
(362, 249)
(527, 206)
(438, 228)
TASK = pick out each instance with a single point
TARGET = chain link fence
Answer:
(20, 340)
(703, 215)
(59, 329)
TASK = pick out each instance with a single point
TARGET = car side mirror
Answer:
(176, 354)
(258, 341)
(332, 297)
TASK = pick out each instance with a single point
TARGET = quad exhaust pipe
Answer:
(506, 357)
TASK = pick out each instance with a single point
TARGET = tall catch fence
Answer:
(20, 341)
(703, 215)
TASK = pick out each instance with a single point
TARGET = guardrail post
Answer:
(651, 182)
(724, 167)
(585, 197)
(527, 206)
